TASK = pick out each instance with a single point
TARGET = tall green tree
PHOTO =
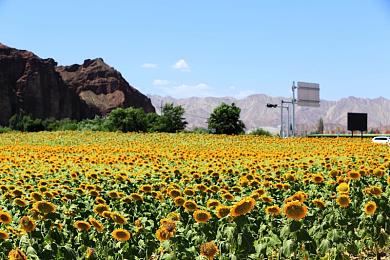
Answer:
(171, 119)
(126, 120)
(225, 119)
(320, 126)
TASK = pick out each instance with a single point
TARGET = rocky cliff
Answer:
(32, 85)
(38, 87)
(102, 87)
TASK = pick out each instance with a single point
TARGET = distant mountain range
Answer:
(255, 114)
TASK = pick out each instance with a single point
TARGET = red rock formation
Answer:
(102, 87)
(32, 85)
(37, 87)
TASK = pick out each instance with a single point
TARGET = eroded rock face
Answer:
(32, 85)
(41, 89)
(102, 87)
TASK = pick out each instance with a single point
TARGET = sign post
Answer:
(308, 96)
(357, 122)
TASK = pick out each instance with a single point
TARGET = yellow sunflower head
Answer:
(272, 210)
(343, 200)
(209, 250)
(222, 211)
(17, 254)
(44, 207)
(190, 205)
(343, 188)
(82, 225)
(295, 210)
(370, 208)
(121, 234)
(27, 224)
(5, 217)
(3, 235)
(201, 216)
(242, 207)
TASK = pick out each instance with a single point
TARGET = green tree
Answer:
(126, 120)
(225, 119)
(320, 127)
(171, 119)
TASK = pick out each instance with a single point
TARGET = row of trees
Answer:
(225, 119)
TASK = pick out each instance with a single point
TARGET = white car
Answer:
(381, 139)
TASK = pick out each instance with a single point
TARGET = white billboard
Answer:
(308, 94)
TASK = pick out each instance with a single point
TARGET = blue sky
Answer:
(214, 47)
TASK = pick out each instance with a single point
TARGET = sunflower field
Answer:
(97, 195)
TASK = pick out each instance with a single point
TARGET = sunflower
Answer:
(99, 209)
(242, 207)
(174, 216)
(3, 235)
(44, 207)
(300, 196)
(343, 200)
(162, 234)
(227, 196)
(136, 197)
(209, 250)
(36, 196)
(16, 254)
(370, 208)
(121, 234)
(318, 203)
(295, 210)
(318, 178)
(170, 226)
(106, 214)
(146, 188)
(27, 224)
(266, 198)
(272, 210)
(82, 225)
(260, 191)
(5, 217)
(190, 205)
(189, 192)
(375, 190)
(118, 218)
(90, 254)
(353, 175)
(201, 216)
(222, 211)
(174, 193)
(20, 202)
(96, 224)
(212, 203)
(343, 188)
(179, 201)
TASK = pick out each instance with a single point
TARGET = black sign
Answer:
(357, 122)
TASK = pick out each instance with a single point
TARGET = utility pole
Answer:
(281, 119)
(293, 109)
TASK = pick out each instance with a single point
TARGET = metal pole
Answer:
(293, 109)
(288, 121)
(281, 118)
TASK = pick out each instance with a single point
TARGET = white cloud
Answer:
(185, 90)
(149, 66)
(181, 65)
(161, 82)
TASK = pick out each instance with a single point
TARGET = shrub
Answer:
(225, 119)
(126, 120)
(260, 131)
